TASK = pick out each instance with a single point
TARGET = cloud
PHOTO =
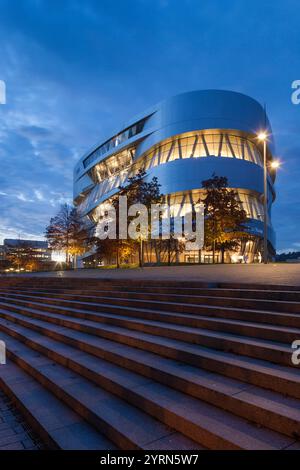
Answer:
(23, 198)
(34, 132)
(39, 195)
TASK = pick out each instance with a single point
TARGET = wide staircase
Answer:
(152, 365)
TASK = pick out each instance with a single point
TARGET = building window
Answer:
(114, 142)
(217, 144)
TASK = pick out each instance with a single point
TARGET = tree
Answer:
(137, 191)
(66, 232)
(169, 249)
(224, 218)
(119, 250)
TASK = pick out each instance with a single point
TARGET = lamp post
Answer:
(263, 137)
(141, 252)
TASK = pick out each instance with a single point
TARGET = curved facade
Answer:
(183, 141)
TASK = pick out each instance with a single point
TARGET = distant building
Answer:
(2, 252)
(15, 246)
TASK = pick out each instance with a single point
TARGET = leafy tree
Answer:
(224, 218)
(119, 250)
(66, 232)
(137, 191)
(169, 249)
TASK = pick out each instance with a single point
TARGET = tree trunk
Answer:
(222, 254)
(118, 258)
(141, 254)
(67, 259)
(157, 252)
(177, 256)
(214, 251)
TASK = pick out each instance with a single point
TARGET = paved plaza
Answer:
(273, 273)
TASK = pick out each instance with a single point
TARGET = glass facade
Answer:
(248, 201)
(112, 172)
(113, 165)
(114, 142)
(181, 204)
(104, 187)
(215, 143)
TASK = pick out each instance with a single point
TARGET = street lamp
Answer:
(275, 164)
(263, 136)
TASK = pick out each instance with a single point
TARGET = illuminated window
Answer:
(114, 142)
(218, 144)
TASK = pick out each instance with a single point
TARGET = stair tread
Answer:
(157, 302)
(136, 425)
(65, 428)
(248, 393)
(200, 298)
(206, 363)
(231, 428)
(216, 320)
(110, 286)
(287, 373)
(268, 344)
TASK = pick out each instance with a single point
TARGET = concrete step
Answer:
(73, 282)
(253, 316)
(236, 302)
(272, 351)
(206, 424)
(111, 304)
(258, 327)
(285, 380)
(154, 300)
(265, 408)
(57, 425)
(252, 286)
(123, 424)
(281, 295)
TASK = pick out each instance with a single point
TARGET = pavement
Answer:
(15, 434)
(271, 274)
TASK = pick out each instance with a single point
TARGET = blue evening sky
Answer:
(76, 69)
